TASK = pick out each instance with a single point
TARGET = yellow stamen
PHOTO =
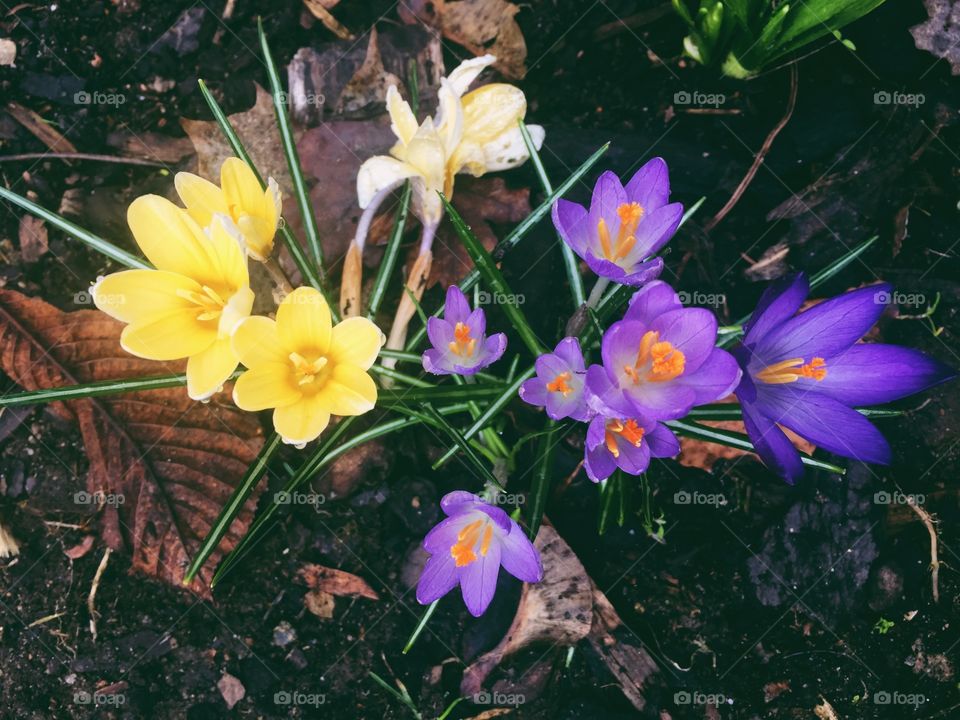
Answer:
(788, 371)
(629, 431)
(208, 301)
(462, 345)
(559, 384)
(463, 551)
(306, 371)
(657, 360)
(630, 215)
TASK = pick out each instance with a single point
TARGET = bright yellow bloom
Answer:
(475, 132)
(190, 304)
(304, 367)
(254, 210)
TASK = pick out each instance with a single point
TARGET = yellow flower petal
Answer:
(267, 386)
(348, 391)
(379, 172)
(208, 371)
(450, 118)
(491, 110)
(402, 120)
(241, 189)
(303, 322)
(509, 150)
(257, 236)
(300, 422)
(171, 336)
(168, 236)
(467, 71)
(356, 341)
(134, 295)
(227, 265)
(257, 342)
(202, 198)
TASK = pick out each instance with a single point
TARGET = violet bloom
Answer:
(560, 383)
(806, 372)
(460, 344)
(624, 226)
(469, 547)
(625, 443)
(661, 359)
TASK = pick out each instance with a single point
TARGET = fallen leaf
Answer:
(773, 690)
(8, 52)
(231, 689)
(34, 242)
(41, 130)
(161, 464)
(320, 9)
(369, 84)
(335, 582)
(824, 710)
(940, 35)
(320, 603)
(151, 145)
(557, 611)
(481, 26)
(703, 455)
(80, 549)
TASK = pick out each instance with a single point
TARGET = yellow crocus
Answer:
(255, 211)
(189, 305)
(304, 367)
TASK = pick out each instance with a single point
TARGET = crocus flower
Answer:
(560, 383)
(460, 344)
(254, 210)
(469, 547)
(624, 226)
(806, 372)
(625, 443)
(304, 367)
(661, 359)
(190, 304)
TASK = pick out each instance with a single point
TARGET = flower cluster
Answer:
(196, 306)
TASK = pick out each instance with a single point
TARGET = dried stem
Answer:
(279, 277)
(92, 597)
(934, 558)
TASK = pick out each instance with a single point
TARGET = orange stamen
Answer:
(629, 431)
(657, 360)
(788, 371)
(630, 215)
(463, 344)
(462, 551)
(559, 384)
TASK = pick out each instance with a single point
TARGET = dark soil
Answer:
(772, 603)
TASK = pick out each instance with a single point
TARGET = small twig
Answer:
(764, 149)
(120, 160)
(91, 598)
(279, 277)
(934, 561)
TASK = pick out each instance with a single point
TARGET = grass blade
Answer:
(494, 278)
(569, 258)
(233, 506)
(390, 255)
(540, 487)
(291, 243)
(95, 242)
(459, 440)
(95, 389)
(434, 394)
(290, 151)
(427, 614)
(732, 411)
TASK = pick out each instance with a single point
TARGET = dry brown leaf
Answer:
(80, 549)
(335, 582)
(174, 462)
(557, 610)
(320, 603)
(481, 26)
(43, 131)
(231, 689)
(703, 455)
(369, 84)
(320, 9)
(34, 242)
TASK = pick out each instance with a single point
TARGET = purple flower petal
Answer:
(598, 463)
(436, 362)
(662, 442)
(874, 374)
(519, 557)
(534, 391)
(778, 304)
(496, 514)
(493, 349)
(456, 308)
(478, 580)
(477, 322)
(774, 448)
(643, 273)
(652, 301)
(608, 195)
(633, 460)
(443, 535)
(438, 578)
(716, 378)
(692, 331)
(458, 502)
(656, 229)
(573, 225)
(569, 351)
(605, 395)
(439, 331)
(650, 185)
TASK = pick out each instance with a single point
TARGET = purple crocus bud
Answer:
(624, 226)
(625, 443)
(806, 372)
(469, 547)
(460, 344)
(560, 383)
(660, 360)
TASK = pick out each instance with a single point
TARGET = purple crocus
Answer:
(806, 372)
(625, 443)
(660, 360)
(469, 547)
(624, 226)
(460, 344)
(560, 383)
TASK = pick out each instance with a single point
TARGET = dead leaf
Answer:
(773, 690)
(41, 130)
(481, 26)
(231, 689)
(80, 549)
(825, 710)
(320, 603)
(557, 610)
(8, 52)
(703, 455)
(320, 9)
(336, 582)
(940, 35)
(164, 464)
(151, 145)
(369, 84)
(34, 242)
